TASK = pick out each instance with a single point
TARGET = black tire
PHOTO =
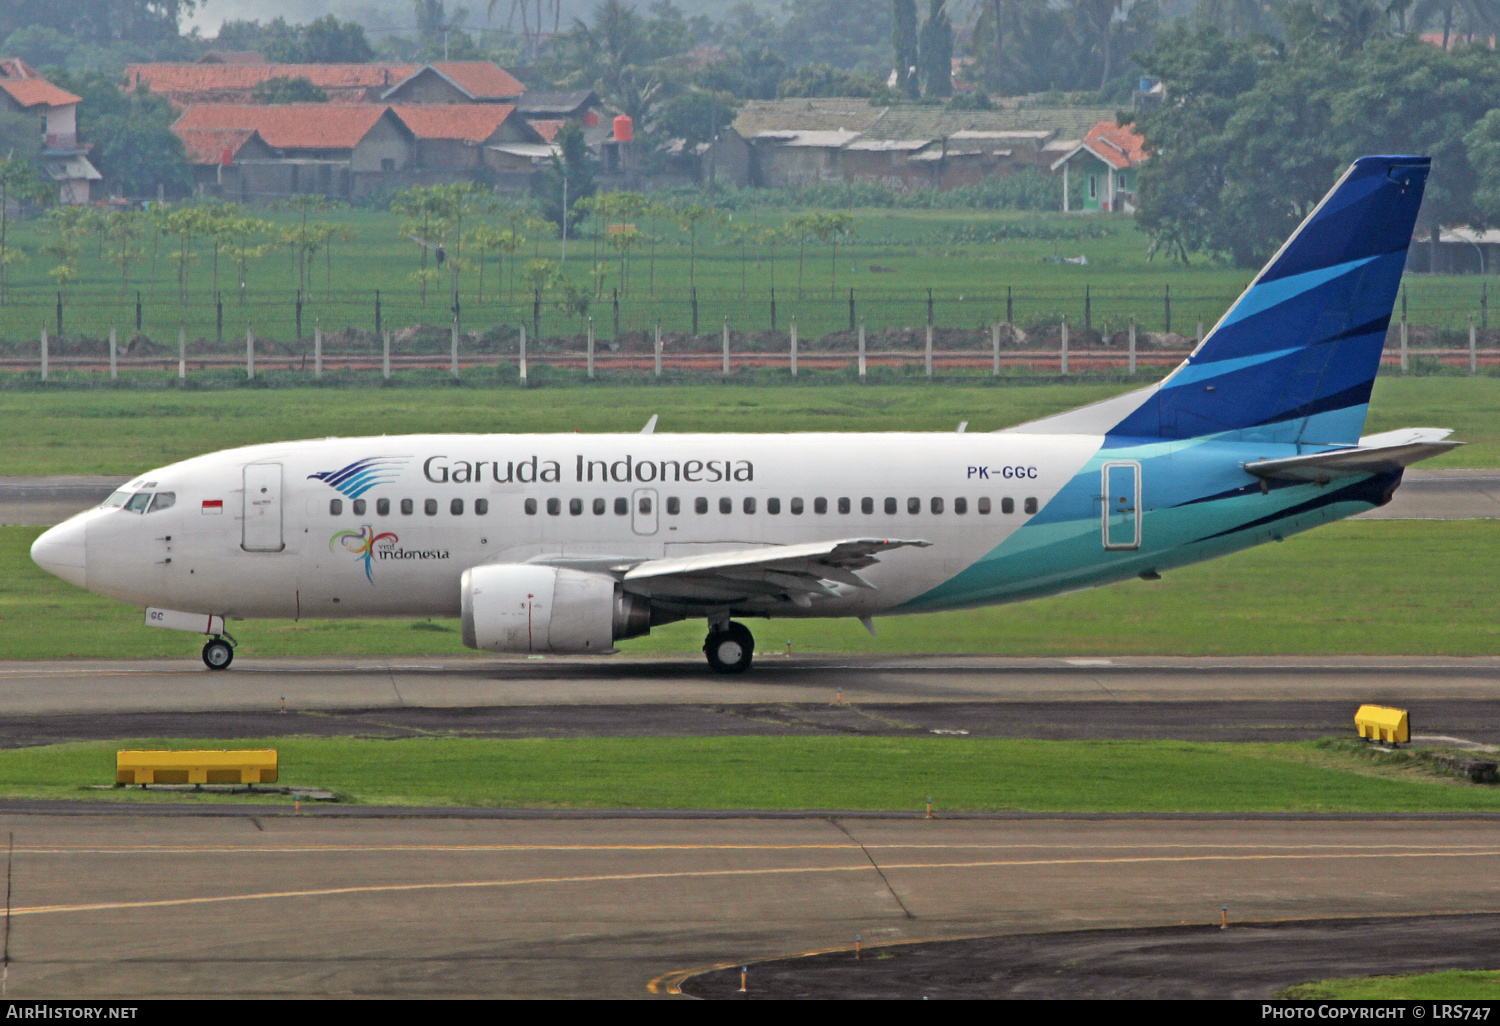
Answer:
(730, 650)
(218, 654)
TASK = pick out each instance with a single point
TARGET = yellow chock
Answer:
(1382, 723)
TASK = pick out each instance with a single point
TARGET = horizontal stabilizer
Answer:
(1375, 454)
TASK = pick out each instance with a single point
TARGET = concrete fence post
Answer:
(114, 350)
(523, 355)
(385, 355)
(995, 348)
(927, 356)
(656, 347)
(1132, 345)
(453, 348)
(182, 352)
(1063, 363)
(318, 350)
(591, 341)
(249, 353)
(1403, 340)
(726, 347)
(1473, 348)
(44, 352)
(794, 346)
(861, 349)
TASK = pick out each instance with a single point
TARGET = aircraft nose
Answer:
(60, 551)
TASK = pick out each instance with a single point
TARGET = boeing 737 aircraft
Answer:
(570, 543)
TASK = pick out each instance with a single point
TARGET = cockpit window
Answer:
(138, 502)
(118, 498)
(163, 500)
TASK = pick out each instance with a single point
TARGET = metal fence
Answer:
(1062, 329)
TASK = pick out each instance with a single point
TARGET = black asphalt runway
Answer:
(1245, 961)
(1255, 720)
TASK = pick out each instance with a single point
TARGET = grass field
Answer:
(107, 431)
(1370, 587)
(1453, 985)
(895, 256)
(791, 773)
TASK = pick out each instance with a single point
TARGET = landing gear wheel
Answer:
(218, 654)
(730, 649)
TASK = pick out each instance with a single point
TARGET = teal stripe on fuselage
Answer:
(1061, 548)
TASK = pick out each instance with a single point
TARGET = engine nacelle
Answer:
(526, 607)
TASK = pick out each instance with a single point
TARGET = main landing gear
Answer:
(218, 653)
(729, 648)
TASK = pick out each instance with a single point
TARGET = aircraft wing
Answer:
(1390, 450)
(765, 575)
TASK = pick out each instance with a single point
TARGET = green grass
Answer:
(913, 249)
(1452, 985)
(126, 432)
(1370, 587)
(791, 773)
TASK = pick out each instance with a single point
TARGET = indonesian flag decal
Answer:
(213, 507)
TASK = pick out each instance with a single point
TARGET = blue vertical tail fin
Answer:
(1294, 359)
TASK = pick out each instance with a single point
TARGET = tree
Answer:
(19, 181)
(570, 178)
(131, 135)
(324, 41)
(828, 228)
(689, 219)
(771, 238)
(240, 246)
(851, 34)
(904, 43)
(935, 51)
(124, 228)
(823, 80)
(284, 89)
(696, 116)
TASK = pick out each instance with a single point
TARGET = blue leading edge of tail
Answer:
(1295, 358)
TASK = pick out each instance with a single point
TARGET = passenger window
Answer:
(554, 507)
(843, 505)
(163, 500)
(867, 505)
(700, 505)
(481, 507)
(820, 505)
(796, 507)
(335, 507)
(406, 507)
(139, 501)
(749, 504)
(600, 507)
(674, 505)
(429, 506)
(726, 505)
(913, 505)
(383, 507)
(456, 507)
(937, 505)
(773, 506)
(960, 506)
(1006, 505)
(645, 504)
(1031, 505)
(359, 507)
(622, 507)
(890, 506)
(531, 507)
(575, 507)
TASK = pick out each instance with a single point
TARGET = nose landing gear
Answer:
(218, 653)
(730, 648)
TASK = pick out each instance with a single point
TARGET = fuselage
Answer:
(386, 526)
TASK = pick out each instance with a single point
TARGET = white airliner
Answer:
(569, 543)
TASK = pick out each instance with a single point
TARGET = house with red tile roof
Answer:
(339, 150)
(63, 158)
(453, 136)
(1105, 163)
(232, 82)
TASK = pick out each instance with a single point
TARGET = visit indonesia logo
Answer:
(363, 544)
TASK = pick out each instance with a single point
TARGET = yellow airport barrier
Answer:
(245, 767)
(1382, 723)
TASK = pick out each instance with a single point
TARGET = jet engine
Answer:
(526, 607)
